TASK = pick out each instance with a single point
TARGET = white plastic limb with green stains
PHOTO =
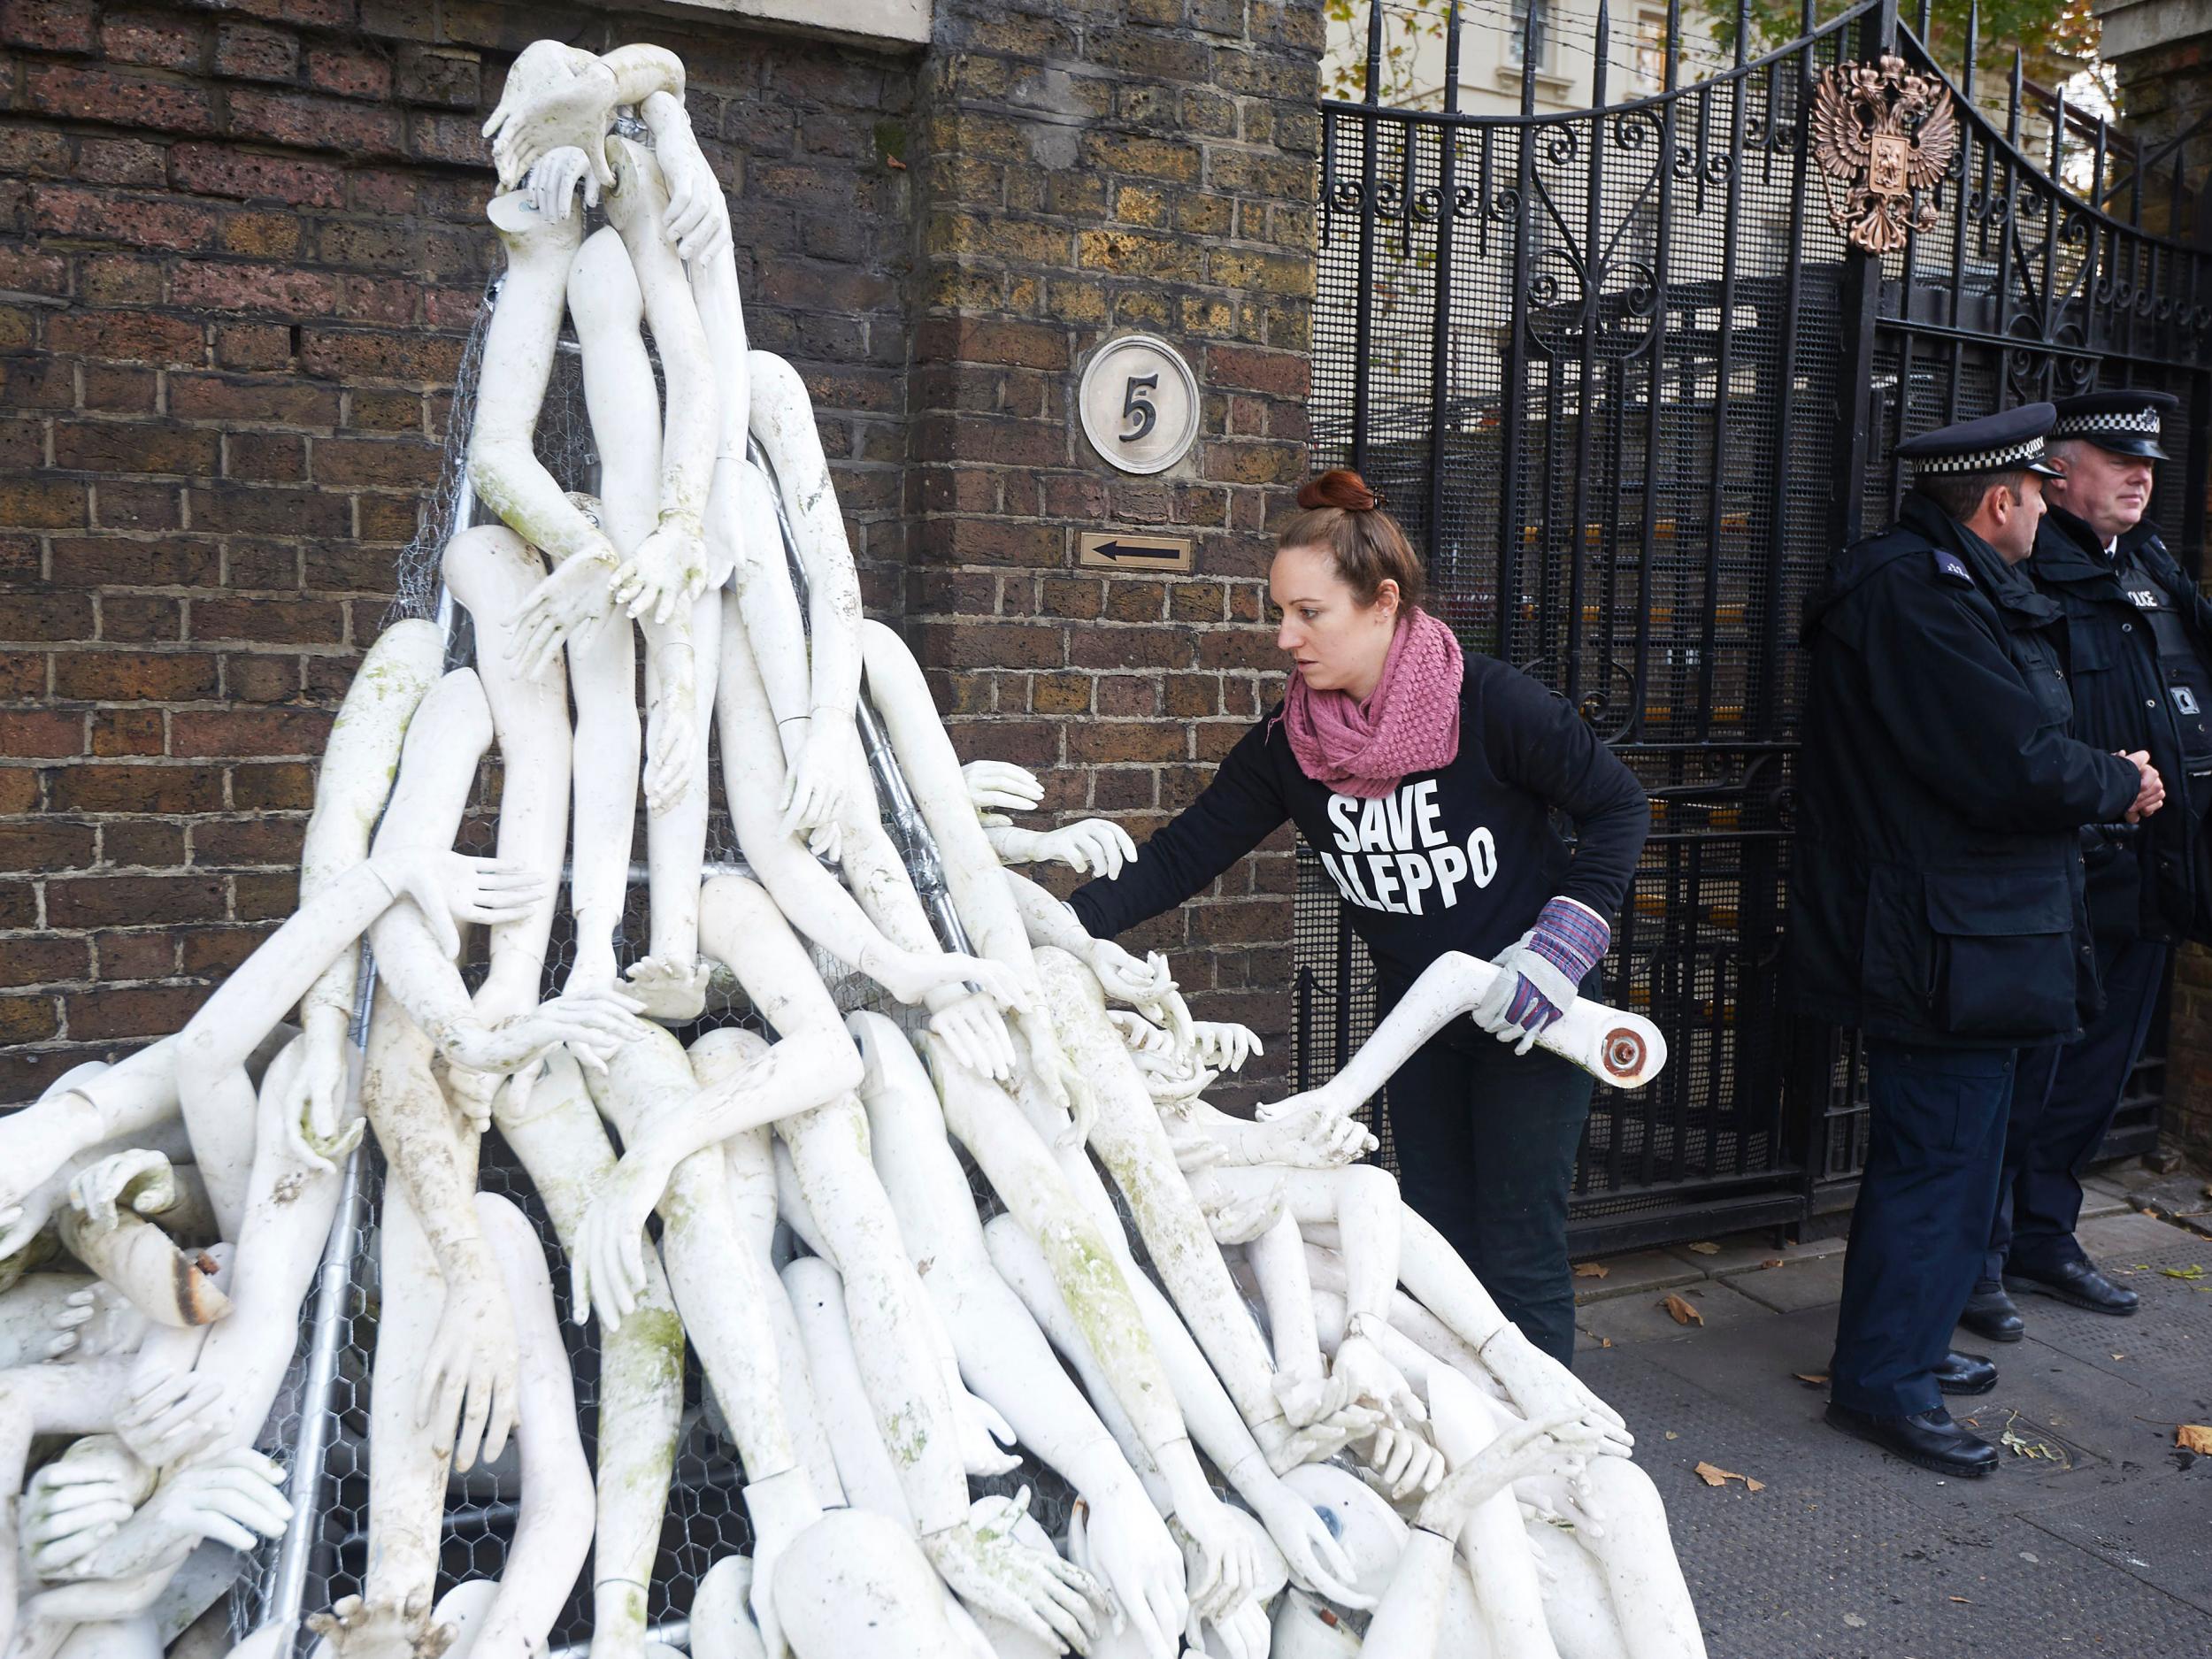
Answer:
(856, 1586)
(519, 345)
(549, 1545)
(360, 757)
(979, 1558)
(972, 873)
(1131, 1143)
(490, 570)
(557, 1133)
(849, 925)
(780, 418)
(1002, 1355)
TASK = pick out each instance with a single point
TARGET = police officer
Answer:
(2140, 637)
(1936, 895)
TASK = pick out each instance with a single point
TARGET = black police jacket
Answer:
(1936, 890)
(2141, 877)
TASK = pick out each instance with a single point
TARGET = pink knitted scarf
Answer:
(1410, 724)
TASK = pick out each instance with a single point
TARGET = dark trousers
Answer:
(1922, 1220)
(1485, 1141)
(2062, 1111)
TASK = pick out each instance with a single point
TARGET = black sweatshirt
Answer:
(1458, 859)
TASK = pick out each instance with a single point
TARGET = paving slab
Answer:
(1632, 1274)
(1645, 1318)
(1793, 1286)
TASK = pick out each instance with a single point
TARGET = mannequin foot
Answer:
(674, 994)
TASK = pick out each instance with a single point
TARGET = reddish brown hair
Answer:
(1340, 513)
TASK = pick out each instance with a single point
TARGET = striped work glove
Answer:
(1540, 971)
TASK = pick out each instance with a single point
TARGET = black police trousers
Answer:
(1935, 1142)
(2062, 1109)
(1485, 1142)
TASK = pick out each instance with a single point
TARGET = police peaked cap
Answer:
(2125, 422)
(2010, 440)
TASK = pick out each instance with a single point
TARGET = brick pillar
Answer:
(1085, 171)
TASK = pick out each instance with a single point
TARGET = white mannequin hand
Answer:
(1242, 1632)
(1401, 1462)
(447, 887)
(998, 786)
(667, 568)
(552, 181)
(469, 1374)
(974, 1034)
(172, 1415)
(911, 975)
(1125, 977)
(1317, 1138)
(698, 218)
(1194, 1149)
(1554, 1445)
(1224, 1046)
(1139, 1033)
(314, 1104)
(141, 1178)
(235, 1498)
(1544, 1389)
(606, 1269)
(80, 1500)
(1372, 1379)
(1054, 1600)
(1312, 1552)
(1090, 847)
(1221, 1561)
(1174, 1079)
(1122, 1541)
(814, 790)
(592, 1022)
(570, 600)
(95, 1322)
(568, 99)
(985, 1437)
(672, 735)
(1239, 1217)
(1309, 1395)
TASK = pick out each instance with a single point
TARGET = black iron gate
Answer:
(1631, 384)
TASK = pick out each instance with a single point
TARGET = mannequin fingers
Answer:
(501, 1423)
(579, 1284)
(217, 1527)
(476, 1411)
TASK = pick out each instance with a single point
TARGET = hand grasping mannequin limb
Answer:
(1043, 1596)
(46, 1399)
(972, 874)
(1232, 1566)
(1002, 1355)
(560, 97)
(913, 969)
(504, 466)
(359, 759)
(1412, 1610)
(491, 571)
(717, 1282)
(213, 1084)
(1046, 921)
(557, 1135)
(823, 751)
(549, 1545)
(1130, 1141)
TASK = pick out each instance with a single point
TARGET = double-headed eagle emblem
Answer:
(1889, 134)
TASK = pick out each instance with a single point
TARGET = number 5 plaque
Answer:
(1139, 400)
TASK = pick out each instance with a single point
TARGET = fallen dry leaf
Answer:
(1854, 1621)
(2190, 1271)
(1713, 1475)
(2193, 1437)
(1703, 1248)
(1605, 1342)
(1682, 1312)
(1591, 1270)
(1772, 1261)
(1961, 1601)
(1672, 1435)
(1811, 1379)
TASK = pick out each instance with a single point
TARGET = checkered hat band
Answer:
(2140, 423)
(1983, 460)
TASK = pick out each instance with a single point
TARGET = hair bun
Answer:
(1339, 487)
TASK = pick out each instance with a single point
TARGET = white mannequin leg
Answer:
(865, 1465)
(857, 1589)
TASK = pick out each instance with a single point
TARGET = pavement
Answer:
(2093, 1536)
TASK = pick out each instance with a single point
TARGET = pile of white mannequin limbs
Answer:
(1297, 1424)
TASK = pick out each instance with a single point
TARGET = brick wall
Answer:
(240, 249)
(1084, 170)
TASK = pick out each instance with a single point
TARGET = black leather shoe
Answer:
(1990, 1315)
(1965, 1374)
(2078, 1284)
(1929, 1439)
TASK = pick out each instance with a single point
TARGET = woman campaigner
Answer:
(1427, 780)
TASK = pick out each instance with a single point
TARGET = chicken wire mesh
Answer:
(326, 1558)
